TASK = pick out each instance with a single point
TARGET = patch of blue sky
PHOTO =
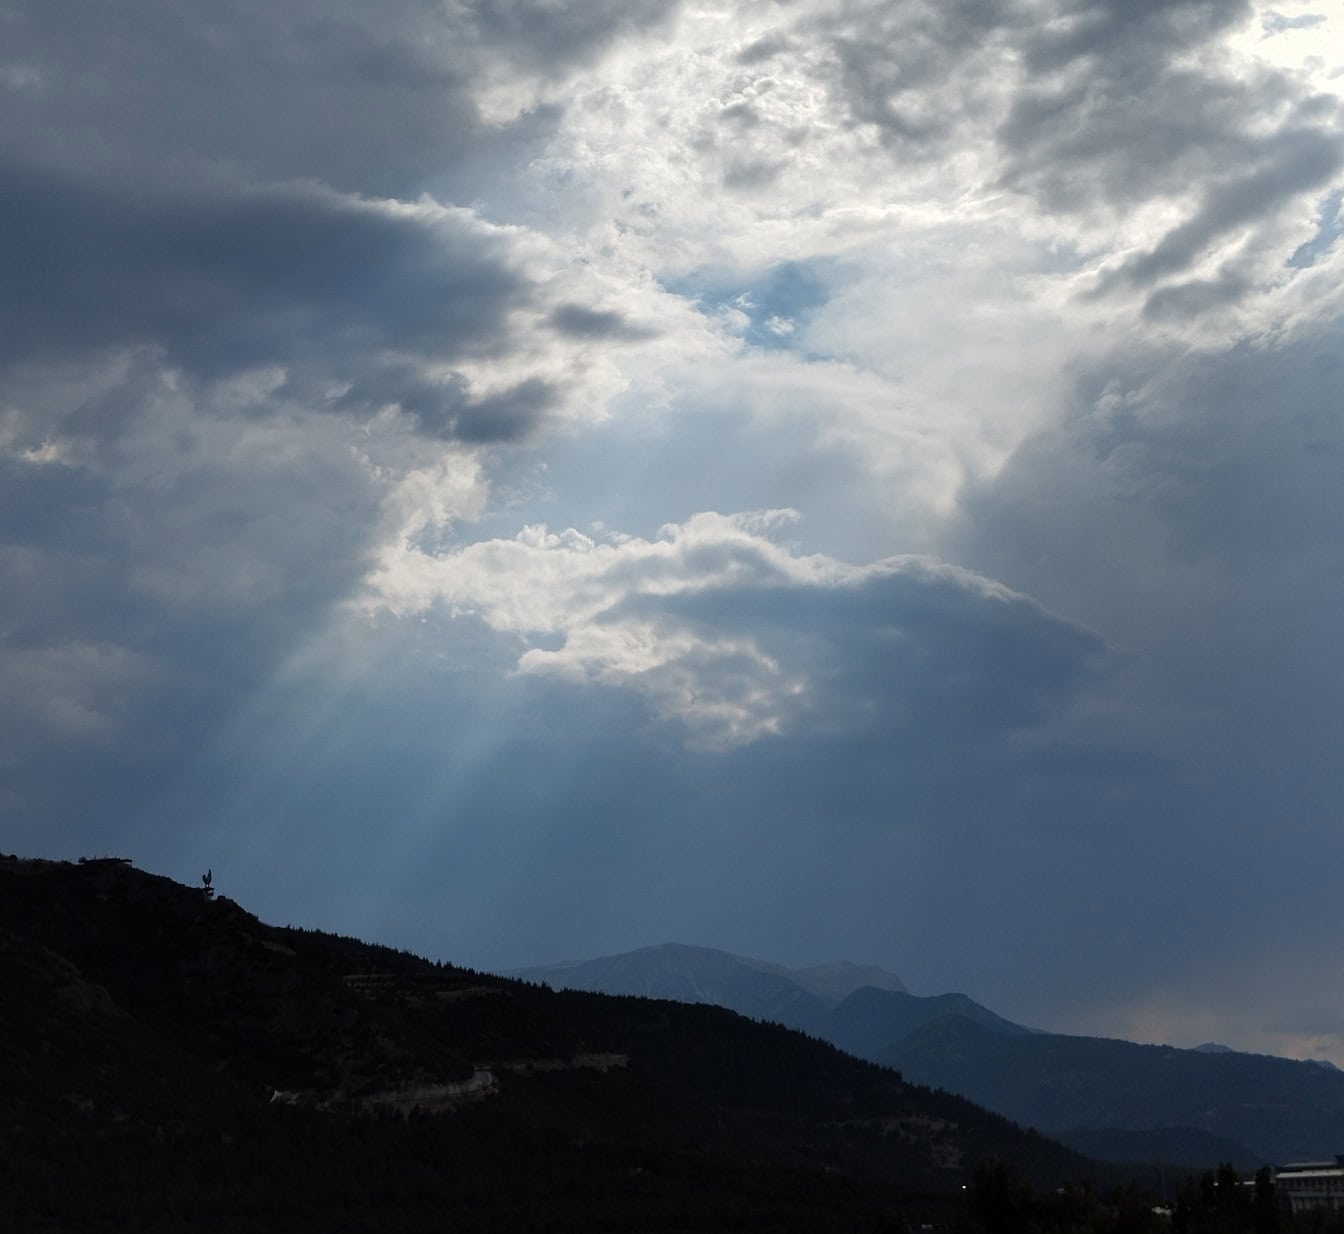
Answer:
(1328, 230)
(769, 311)
(1275, 22)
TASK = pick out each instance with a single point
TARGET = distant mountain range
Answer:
(796, 997)
(1250, 1108)
(168, 1061)
(1110, 1099)
(862, 1009)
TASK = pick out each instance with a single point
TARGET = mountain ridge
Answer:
(762, 989)
(1082, 1089)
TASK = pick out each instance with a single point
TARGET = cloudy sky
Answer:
(526, 479)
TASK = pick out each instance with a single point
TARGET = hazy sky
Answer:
(526, 479)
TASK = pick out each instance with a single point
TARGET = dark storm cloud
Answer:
(507, 416)
(579, 322)
(548, 35)
(765, 48)
(404, 385)
(916, 654)
(1122, 132)
(747, 174)
(1113, 111)
(232, 280)
(211, 185)
(366, 101)
(152, 588)
(1188, 509)
(1190, 299)
(1109, 106)
(903, 68)
(916, 70)
(278, 90)
(180, 536)
(1224, 459)
(1129, 30)
(1295, 161)
(443, 408)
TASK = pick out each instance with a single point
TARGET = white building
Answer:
(1312, 1184)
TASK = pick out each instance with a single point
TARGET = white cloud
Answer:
(700, 619)
(567, 584)
(966, 178)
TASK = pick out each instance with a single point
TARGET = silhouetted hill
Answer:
(1278, 1109)
(171, 1062)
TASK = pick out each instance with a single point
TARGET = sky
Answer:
(522, 480)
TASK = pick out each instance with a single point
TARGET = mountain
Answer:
(1275, 1109)
(168, 1061)
(834, 982)
(797, 997)
(862, 1009)
(1112, 1099)
(869, 1022)
(752, 988)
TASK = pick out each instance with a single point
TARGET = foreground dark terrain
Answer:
(169, 1062)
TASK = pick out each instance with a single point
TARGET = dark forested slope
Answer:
(169, 1061)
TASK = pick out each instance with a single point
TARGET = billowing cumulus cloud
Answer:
(735, 637)
(376, 392)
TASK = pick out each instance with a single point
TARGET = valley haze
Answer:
(523, 478)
